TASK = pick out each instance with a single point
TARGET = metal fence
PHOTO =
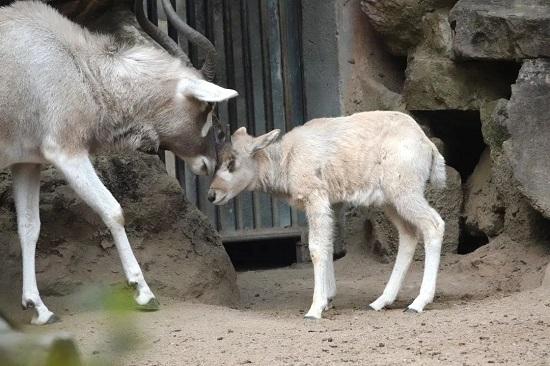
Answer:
(260, 55)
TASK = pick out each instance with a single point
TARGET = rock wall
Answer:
(476, 76)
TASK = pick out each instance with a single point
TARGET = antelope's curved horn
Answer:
(196, 38)
(159, 36)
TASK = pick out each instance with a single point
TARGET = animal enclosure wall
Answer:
(259, 46)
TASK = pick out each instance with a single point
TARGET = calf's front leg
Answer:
(320, 222)
(80, 174)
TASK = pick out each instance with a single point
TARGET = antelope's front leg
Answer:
(320, 247)
(80, 174)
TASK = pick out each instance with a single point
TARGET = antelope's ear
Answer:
(264, 141)
(204, 90)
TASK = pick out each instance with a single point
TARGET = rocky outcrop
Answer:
(501, 29)
(483, 206)
(493, 202)
(180, 253)
(400, 21)
(528, 125)
(462, 57)
(435, 82)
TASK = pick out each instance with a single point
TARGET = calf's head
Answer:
(188, 130)
(237, 165)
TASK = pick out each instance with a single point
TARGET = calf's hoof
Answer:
(314, 314)
(411, 311)
(312, 317)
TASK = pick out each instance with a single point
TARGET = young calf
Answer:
(371, 158)
(66, 93)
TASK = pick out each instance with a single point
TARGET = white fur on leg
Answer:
(433, 239)
(320, 246)
(320, 298)
(83, 179)
(331, 282)
(26, 186)
(405, 254)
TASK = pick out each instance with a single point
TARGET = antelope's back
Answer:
(41, 69)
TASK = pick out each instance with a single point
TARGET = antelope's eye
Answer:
(231, 165)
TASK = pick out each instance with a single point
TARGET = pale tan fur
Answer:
(371, 158)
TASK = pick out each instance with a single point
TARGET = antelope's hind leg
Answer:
(26, 189)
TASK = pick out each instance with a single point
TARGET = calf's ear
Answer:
(204, 90)
(261, 142)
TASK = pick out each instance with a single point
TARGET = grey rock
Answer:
(435, 82)
(483, 206)
(493, 202)
(522, 222)
(448, 203)
(527, 149)
(493, 117)
(501, 29)
(400, 21)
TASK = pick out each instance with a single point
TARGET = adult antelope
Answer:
(66, 93)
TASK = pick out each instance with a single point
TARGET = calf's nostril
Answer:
(211, 196)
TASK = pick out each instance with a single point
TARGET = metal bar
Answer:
(180, 174)
(172, 32)
(192, 49)
(152, 12)
(249, 95)
(264, 217)
(232, 104)
(291, 44)
(273, 17)
(261, 234)
(268, 97)
(244, 200)
(226, 213)
(209, 17)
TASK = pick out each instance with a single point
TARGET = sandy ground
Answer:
(475, 320)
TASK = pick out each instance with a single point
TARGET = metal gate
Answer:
(260, 55)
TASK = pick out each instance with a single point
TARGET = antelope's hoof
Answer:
(411, 311)
(152, 305)
(53, 319)
(45, 318)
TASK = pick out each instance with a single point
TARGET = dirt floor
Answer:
(488, 311)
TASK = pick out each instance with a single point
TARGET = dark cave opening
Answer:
(461, 133)
(469, 241)
(262, 254)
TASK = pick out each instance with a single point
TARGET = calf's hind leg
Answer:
(417, 211)
(26, 192)
(405, 254)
